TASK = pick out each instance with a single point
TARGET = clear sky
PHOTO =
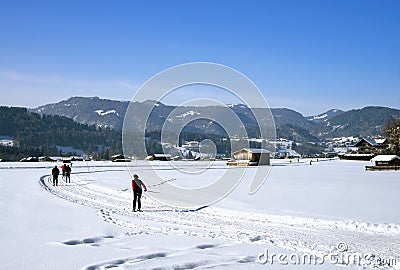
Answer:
(310, 56)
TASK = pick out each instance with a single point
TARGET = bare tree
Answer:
(392, 132)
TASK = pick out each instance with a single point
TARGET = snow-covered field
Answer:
(331, 210)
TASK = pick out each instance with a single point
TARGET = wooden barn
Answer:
(385, 162)
(120, 158)
(250, 157)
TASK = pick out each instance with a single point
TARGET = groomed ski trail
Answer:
(305, 235)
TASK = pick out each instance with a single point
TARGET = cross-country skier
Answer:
(137, 185)
(55, 172)
(63, 171)
(67, 174)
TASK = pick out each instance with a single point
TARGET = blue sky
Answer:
(310, 56)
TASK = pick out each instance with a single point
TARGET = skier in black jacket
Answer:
(67, 174)
(55, 172)
(137, 185)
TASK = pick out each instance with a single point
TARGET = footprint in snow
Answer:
(87, 241)
(205, 246)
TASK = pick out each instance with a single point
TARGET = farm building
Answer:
(385, 162)
(162, 157)
(52, 159)
(120, 158)
(250, 157)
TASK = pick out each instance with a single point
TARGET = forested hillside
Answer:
(365, 122)
(36, 134)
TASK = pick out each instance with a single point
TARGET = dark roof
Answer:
(370, 141)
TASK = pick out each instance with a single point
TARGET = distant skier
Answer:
(55, 172)
(68, 174)
(137, 185)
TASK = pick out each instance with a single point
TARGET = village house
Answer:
(371, 146)
(250, 157)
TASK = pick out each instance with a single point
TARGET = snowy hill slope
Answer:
(88, 110)
(323, 117)
(365, 122)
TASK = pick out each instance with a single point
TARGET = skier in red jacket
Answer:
(137, 185)
(63, 171)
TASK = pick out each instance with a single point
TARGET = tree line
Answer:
(40, 135)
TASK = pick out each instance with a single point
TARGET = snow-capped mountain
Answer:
(111, 113)
(88, 110)
(289, 123)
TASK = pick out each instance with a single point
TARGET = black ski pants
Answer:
(137, 194)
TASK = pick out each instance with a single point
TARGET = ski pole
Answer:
(153, 191)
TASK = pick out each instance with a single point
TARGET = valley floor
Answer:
(332, 211)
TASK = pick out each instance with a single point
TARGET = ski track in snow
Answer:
(304, 235)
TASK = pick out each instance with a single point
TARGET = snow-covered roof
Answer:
(116, 156)
(385, 158)
(380, 141)
(161, 155)
(255, 150)
(359, 155)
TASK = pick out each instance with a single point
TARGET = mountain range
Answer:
(365, 122)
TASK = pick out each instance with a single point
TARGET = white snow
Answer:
(301, 209)
(236, 105)
(7, 142)
(189, 113)
(102, 113)
(320, 117)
